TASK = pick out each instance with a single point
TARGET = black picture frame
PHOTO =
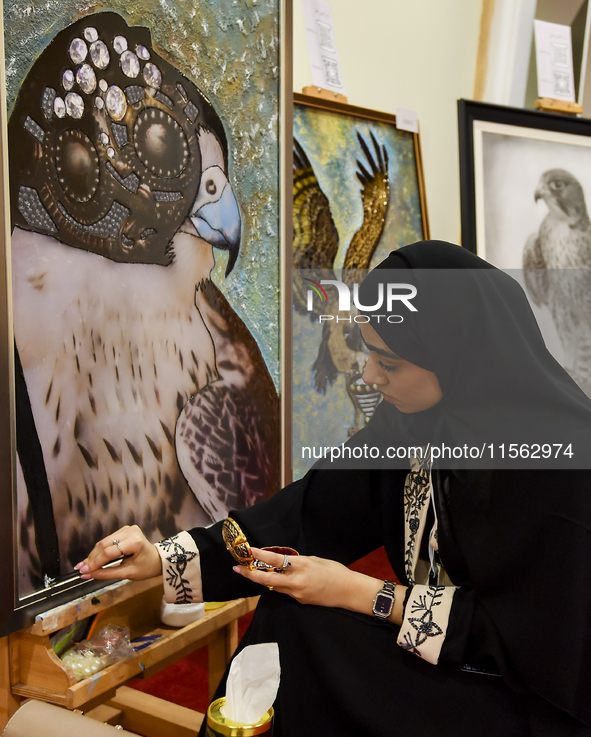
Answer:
(469, 112)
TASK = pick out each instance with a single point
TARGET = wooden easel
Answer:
(548, 105)
(30, 668)
(324, 94)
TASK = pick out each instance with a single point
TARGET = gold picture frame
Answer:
(337, 146)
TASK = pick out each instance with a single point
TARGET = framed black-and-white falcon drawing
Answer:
(525, 180)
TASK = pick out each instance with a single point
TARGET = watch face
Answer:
(383, 605)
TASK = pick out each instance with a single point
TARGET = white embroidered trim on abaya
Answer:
(427, 611)
(181, 568)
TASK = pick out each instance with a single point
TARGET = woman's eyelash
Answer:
(385, 367)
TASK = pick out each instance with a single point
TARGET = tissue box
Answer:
(218, 725)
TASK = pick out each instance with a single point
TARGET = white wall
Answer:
(417, 54)
(509, 52)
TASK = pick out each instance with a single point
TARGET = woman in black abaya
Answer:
(491, 624)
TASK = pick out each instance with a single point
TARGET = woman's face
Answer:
(408, 387)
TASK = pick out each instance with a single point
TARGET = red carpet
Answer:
(375, 564)
(185, 682)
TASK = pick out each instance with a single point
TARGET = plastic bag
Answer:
(65, 638)
(108, 646)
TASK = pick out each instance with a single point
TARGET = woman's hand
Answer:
(144, 563)
(310, 580)
(319, 581)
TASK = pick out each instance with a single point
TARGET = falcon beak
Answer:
(219, 223)
(540, 192)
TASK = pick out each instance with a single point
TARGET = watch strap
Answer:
(388, 587)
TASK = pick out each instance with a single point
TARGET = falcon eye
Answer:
(160, 143)
(558, 184)
(77, 165)
(210, 187)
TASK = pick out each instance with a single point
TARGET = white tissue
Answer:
(252, 683)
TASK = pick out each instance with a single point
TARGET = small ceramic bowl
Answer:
(179, 615)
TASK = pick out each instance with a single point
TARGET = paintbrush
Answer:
(50, 583)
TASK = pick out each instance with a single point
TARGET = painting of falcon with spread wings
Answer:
(356, 197)
(315, 246)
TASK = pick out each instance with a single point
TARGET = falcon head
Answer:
(563, 195)
(117, 148)
(215, 212)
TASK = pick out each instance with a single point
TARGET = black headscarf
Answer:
(475, 330)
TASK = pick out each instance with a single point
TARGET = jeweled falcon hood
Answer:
(108, 135)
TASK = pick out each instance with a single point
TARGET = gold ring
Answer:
(271, 588)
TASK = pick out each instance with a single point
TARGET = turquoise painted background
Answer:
(230, 50)
(330, 142)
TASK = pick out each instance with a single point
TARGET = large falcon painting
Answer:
(142, 396)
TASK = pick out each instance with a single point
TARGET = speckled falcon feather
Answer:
(108, 370)
(228, 433)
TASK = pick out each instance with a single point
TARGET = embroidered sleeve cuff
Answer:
(181, 569)
(425, 621)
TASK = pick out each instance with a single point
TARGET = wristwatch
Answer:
(384, 601)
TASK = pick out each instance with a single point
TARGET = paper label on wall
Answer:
(554, 57)
(407, 120)
(322, 47)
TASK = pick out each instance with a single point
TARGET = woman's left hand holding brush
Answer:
(144, 561)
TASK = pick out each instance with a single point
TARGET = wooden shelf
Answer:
(36, 672)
